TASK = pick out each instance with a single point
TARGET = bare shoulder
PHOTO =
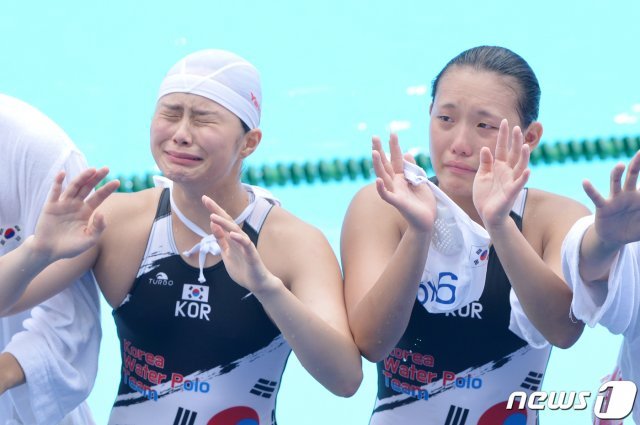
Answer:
(544, 204)
(367, 208)
(292, 248)
(129, 213)
(369, 198)
(549, 216)
(120, 205)
(288, 232)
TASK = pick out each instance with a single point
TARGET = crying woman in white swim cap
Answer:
(211, 281)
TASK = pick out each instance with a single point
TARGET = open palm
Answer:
(500, 179)
(239, 254)
(69, 224)
(617, 218)
(416, 203)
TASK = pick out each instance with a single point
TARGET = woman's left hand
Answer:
(500, 179)
(239, 254)
(617, 217)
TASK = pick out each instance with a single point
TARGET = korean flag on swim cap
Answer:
(221, 76)
(456, 266)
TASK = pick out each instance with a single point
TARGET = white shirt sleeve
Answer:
(613, 304)
(58, 350)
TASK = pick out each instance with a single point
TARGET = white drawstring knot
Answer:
(208, 244)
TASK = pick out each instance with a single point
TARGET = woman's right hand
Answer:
(69, 223)
(617, 218)
(416, 203)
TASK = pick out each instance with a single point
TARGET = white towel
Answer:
(456, 267)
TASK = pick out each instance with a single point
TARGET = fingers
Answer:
(75, 187)
(410, 158)
(380, 171)
(615, 181)
(593, 194)
(82, 185)
(520, 182)
(227, 224)
(503, 141)
(514, 151)
(631, 181)
(384, 193)
(238, 239)
(396, 154)
(96, 198)
(522, 161)
(377, 146)
(243, 242)
(213, 207)
(89, 184)
(97, 225)
(221, 237)
(56, 189)
(486, 161)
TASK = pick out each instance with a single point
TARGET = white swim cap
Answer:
(221, 76)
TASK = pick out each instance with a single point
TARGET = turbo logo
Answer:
(161, 279)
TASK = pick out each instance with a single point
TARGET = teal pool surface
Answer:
(334, 73)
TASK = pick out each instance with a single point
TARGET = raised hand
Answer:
(416, 203)
(69, 223)
(500, 179)
(239, 254)
(617, 218)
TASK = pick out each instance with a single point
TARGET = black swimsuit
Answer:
(195, 353)
(460, 368)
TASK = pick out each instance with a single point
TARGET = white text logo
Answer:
(615, 400)
(161, 279)
(195, 306)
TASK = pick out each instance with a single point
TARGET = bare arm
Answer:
(382, 270)
(384, 246)
(67, 228)
(11, 374)
(535, 278)
(310, 313)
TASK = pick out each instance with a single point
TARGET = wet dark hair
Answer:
(503, 62)
(245, 127)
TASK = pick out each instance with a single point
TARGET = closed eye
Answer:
(204, 121)
(171, 115)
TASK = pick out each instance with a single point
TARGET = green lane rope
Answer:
(325, 171)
